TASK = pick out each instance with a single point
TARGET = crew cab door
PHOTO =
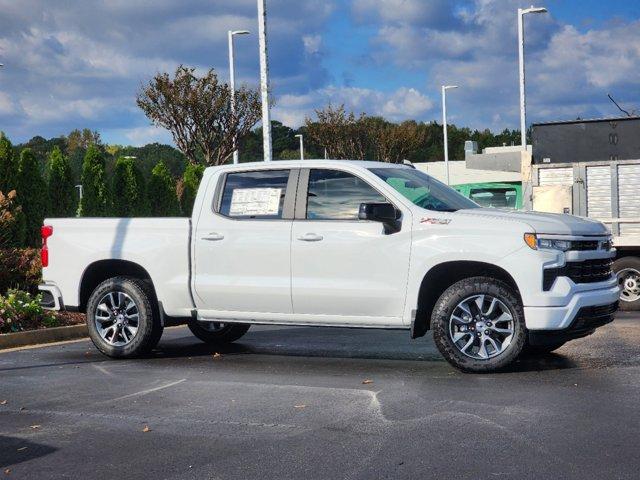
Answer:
(345, 270)
(242, 245)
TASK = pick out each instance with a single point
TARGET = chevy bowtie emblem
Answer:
(436, 221)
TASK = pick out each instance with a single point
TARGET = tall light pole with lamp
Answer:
(232, 83)
(444, 127)
(523, 121)
(264, 81)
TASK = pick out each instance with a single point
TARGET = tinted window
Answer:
(491, 197)
(257, 194)
(423, 190)
(335, 195)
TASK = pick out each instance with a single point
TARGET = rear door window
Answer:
(258, 194)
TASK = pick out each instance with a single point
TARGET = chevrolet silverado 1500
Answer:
(341, 244)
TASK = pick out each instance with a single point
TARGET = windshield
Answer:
(423, 190)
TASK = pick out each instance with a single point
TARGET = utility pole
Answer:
(264, 80)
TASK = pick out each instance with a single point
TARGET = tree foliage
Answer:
(8, 164)
(162, 193)
(197, 112)
(189, 188)
(128, 189)
(95, 198)
(32, 195)
(62, 192)
(12, 222)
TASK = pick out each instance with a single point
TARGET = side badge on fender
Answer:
(435, 221)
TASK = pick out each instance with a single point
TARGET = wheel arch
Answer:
(441, 276)
(101, 270)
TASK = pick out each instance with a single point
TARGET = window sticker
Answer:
(246, 202)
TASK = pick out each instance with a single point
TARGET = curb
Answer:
(48, 335)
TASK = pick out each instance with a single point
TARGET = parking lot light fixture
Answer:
(232, 82)
(301, 146)
(444, 127)
(523, 123)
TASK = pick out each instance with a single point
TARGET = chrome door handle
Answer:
(310, 237)
(213, 236)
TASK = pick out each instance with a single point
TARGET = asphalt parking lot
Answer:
(321, 404)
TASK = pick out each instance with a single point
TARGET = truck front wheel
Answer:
(628, 272)
(478, 324)
(121, 318)
(216, 333)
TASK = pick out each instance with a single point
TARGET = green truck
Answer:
(493, 194)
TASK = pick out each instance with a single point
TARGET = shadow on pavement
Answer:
(15, 450)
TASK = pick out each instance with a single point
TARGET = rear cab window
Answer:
(258, 194)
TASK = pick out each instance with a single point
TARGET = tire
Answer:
(541, 349)
(113, 334)
(627, 270)
(222, 334)
(471, 331)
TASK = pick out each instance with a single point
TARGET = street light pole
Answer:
(232, 84)
(301, 146)
(523, 121)
(264, 80)
(444, 127)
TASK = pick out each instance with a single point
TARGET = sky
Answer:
(79, 63)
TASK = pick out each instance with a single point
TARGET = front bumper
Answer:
(51, 297)
(585, 323)
(554, 317)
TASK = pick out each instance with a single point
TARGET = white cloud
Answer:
(142, 135)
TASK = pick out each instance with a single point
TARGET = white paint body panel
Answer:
(355, 276)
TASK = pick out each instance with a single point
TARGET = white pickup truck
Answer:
(340, 244)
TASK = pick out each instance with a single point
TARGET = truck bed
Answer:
(159, 245)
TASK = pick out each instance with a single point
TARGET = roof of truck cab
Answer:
(314, 163)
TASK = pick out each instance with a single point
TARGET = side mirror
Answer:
(384, 213)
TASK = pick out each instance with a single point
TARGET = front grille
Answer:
(584, 245)
(587, 271)
(594, 317)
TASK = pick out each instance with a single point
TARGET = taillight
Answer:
(45, 232)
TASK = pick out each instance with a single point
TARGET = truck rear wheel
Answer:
(627, 270)
(478, 324)
(216, 333)
(121, 318)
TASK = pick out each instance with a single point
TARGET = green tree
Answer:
(162, 193)
(197, 111)
(95, 198)
(190, 183)
(12, 222)
(32, 195)
(62, 192)
(8, 164)
(128, 189)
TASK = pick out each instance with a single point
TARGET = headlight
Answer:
(547, 243)
(563, 245)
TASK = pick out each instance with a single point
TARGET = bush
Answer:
(129, 196)
(95, 198)
(162, 193)
(12, 222)
(190, 183)
(20, 269)
(8, 167)
(62, 191)
(21, 311)
(32, 195)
